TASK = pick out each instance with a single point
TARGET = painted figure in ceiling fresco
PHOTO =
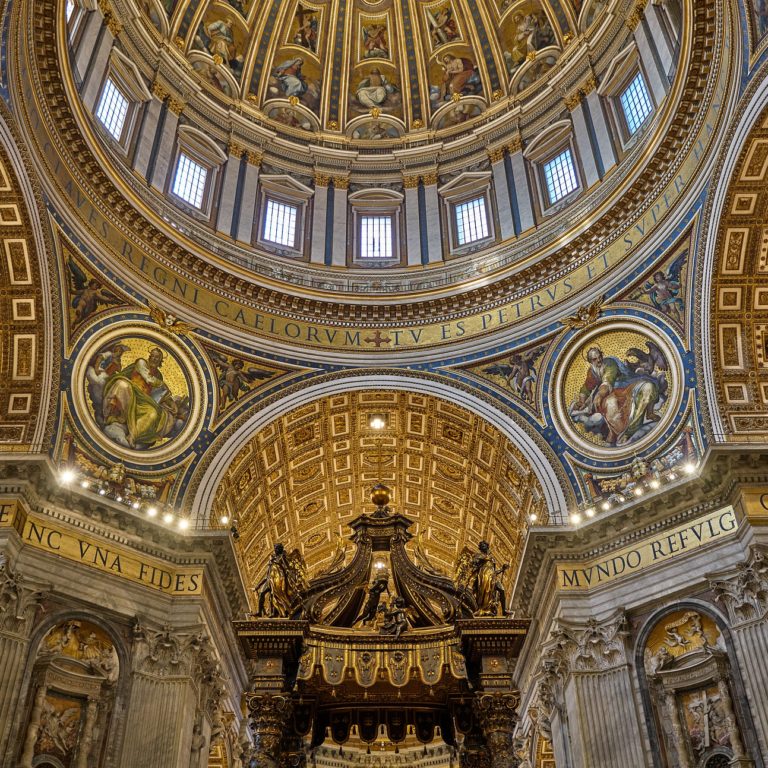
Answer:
(88, 294)
(375, 131)
(210, 74)
(132, 404)
(665, 288)
(619, 399)
(532, 32)
(218, 39)
(376, 90)
(442, 25)
(519, 373)
(375, 40)
(457, 115)
(290, 117)
(288, 80)
(305, 28)
(235, 379)
(460, 77)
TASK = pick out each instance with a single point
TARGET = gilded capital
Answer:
(341, 182)
(516, 144)
(159, 91)
(495, 154)
(429, 178)
(235, 150)
(573, 100)
(410, 182)
(321, 180)
(176, 105)
(254, 157)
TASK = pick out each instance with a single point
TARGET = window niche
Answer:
(468, 212)
(375, 223)
(121, 98)
(553, 162)
(195, 176)
(282, 215)
(625, 90)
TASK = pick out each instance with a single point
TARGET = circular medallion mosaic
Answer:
(617, 389)
(138, 391)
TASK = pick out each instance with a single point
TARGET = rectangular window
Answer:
(112, 109)
(189, 181)
(471, 221)
(636, 103)
(280, 223)
(376, 237)
(560, 176)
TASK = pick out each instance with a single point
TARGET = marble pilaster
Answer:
(432, 217)
(248, 193)
(319, 216)
(339, 248)
(96, 67)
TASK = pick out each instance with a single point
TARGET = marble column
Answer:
(248, 192)
(228, 194)
(501, 192)
(657, 80)
(148, 129)
(268, 715)
(412, 224)
(522, 190)
(432, 217)
(676, 728)
(86, 737)
(497, 713)
(165, 145)
(339, 248)
(319, 219)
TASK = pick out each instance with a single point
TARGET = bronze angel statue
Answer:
(478, 574)
(283, 584)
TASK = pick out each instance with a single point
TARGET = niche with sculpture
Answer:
(692, 694)
(71, 697)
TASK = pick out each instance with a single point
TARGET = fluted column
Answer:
(33, 729)
(164, 145)
(431, 203)
(319, 219)
(412, 223)
(339, 248)
(247, 209)
(497, 713)
(268, 715)
(501, 192)
(590, 690)
(16, 620)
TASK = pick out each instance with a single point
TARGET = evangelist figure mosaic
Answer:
(138, 393)
(617, 388)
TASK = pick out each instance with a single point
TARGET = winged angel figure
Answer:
(88, 294)
(478, 575)
(283, 585)
(519, 373)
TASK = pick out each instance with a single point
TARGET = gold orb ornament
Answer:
(380, 495)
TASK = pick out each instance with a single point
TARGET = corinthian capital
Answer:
(743, 591)
(497, 713)
(268, 716)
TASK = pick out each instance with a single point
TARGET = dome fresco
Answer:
(370, 70)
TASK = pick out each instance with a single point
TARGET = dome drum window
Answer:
(195, 173)
(625, 90)
(283, 215)
(121, 98)
(467, 211)
(375, 222)
(553, 161)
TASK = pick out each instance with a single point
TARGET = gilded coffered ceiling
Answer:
(739, 300)
(302, 479)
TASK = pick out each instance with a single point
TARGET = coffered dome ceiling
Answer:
(371, 71)
(303, 478)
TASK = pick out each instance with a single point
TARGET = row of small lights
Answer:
(689, 468)
(68, 478)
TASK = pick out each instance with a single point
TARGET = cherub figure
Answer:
(665, 288)
(395, 618)
(235, 378)
(88, 294)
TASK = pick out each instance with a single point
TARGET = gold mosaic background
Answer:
(303, 479)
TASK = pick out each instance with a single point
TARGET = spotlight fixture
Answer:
(532, 517)
(606, 505)
(66, 476)
(377, 421)
(85, 484)
(638, 491)
(102, 492)
(224, 519)
(689, 468)
(152, 511)
(183, 523)
(168, 517)
(135, 505)
(654, 483)
(590, 512)
(575, 518)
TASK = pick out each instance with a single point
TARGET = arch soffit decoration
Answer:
(528, 454)
(29, 315)
(733, 276)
